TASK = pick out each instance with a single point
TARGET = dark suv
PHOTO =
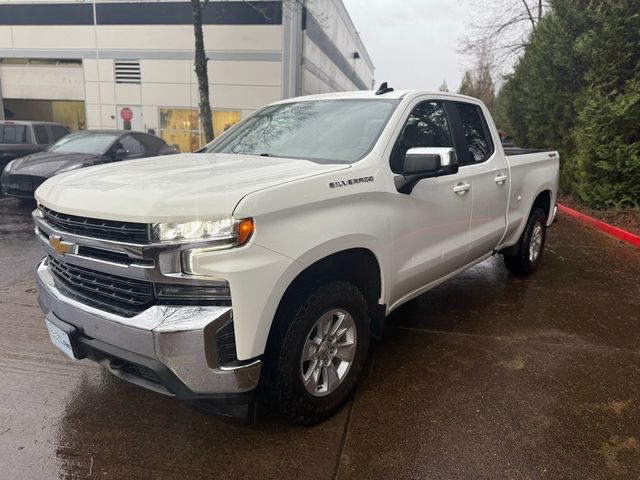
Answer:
(20, 138)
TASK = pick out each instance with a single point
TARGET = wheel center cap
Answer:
(323, 351)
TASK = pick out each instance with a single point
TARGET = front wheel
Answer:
(530, 246)
(322, 353)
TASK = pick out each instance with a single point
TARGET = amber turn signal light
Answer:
(245, 230)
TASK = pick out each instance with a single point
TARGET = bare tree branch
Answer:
(539, 10)
(533, 22)
(502, 29)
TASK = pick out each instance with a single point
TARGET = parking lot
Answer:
(487, 376)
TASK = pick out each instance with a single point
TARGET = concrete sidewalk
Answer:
(487, 376)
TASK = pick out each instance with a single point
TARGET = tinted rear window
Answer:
(14, 134)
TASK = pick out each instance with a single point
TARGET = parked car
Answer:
(273, 257)
(21, 177)
(20, 138)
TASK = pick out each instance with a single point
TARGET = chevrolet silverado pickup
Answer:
(267, 262)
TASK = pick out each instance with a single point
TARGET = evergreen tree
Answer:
(607, 134)
(577, 88)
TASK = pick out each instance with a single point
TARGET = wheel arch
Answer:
(359, 266)
(543, 199)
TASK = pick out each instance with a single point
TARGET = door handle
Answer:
(500, 179)
(461, 188)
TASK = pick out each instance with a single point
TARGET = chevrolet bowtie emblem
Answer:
(61, 247)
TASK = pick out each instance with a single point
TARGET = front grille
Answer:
(21, 184)
(121, 295)
(92, 227)
(111, 256)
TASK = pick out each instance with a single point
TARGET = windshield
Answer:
(14, 134)
(328, 131)
(92, 143)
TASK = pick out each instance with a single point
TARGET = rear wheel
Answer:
(530, 246)
(322, 353)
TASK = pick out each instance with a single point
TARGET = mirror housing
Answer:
(119, 154)
(425, 162)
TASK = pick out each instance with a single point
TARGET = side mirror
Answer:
(425, 162)
(119, 154)
(421, 161)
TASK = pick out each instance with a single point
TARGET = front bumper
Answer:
(20, 186)
(167, 349)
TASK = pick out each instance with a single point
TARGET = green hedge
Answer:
(577, 89)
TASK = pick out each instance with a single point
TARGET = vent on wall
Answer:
(127, 71)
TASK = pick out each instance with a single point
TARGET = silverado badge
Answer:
(351, 181)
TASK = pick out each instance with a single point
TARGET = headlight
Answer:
(227, 231)
(9, 166)
(68, 169)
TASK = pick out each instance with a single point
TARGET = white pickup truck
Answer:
(268, 261)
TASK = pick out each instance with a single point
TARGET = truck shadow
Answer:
(111, 427)
(126, 431)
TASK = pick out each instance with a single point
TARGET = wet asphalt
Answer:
(487, 376)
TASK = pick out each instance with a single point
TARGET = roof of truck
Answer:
(27, 122)
(361, 94)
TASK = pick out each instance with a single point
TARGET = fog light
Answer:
(217, 291)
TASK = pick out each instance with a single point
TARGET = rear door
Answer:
(430, 226)
(485, 167)
(41, 135)
(16, 141)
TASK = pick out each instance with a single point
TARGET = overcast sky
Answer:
(413, 43)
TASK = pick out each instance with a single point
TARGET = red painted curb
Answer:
(628, 237)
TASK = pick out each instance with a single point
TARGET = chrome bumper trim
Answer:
(181, 338)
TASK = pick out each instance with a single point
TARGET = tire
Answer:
(333, 307)
(530, 246)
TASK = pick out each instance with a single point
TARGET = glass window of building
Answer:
(181, 129)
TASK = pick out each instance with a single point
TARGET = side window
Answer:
(153, 145)
(427, 126)
(10, 133)
(132, 146)
(58, 132)
(475, 131)
(40, 131)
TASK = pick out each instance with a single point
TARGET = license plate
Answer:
(26, 187)
(60, 339)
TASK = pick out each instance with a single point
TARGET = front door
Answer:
(430, 226)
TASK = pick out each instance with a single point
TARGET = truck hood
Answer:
(171, 188)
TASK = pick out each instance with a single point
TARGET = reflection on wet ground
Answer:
(487, 376)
